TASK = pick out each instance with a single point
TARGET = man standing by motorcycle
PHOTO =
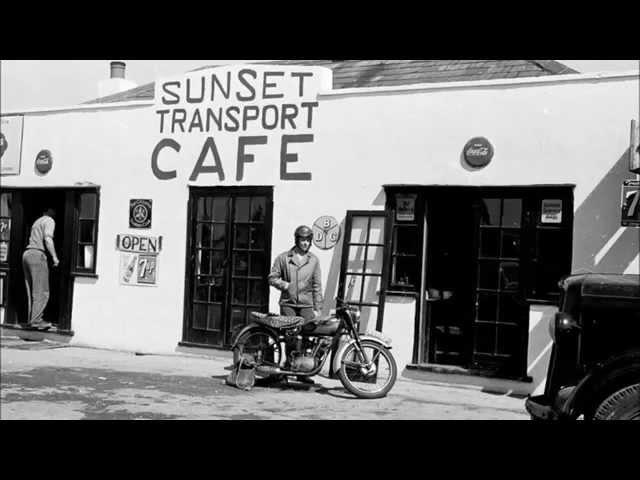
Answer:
(296, 273)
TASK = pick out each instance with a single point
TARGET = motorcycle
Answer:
(281, 345)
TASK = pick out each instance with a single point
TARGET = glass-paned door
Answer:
(230, 248)
(362, 261)
(501, 313)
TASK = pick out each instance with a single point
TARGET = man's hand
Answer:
(317, 313)
(56, 262)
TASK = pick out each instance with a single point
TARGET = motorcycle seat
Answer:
(276, 321)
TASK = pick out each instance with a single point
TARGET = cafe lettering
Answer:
(256, 107)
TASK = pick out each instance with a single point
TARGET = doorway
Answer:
(24, 206)
(228, 261)
(491, 252)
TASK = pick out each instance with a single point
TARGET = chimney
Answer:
(116, 82)
(117, 69)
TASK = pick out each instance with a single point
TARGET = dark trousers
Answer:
(36, 277)
(304, 312)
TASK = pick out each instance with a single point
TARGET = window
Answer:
(86, 238)
(362, 263)
(5, 227)
(406, 242)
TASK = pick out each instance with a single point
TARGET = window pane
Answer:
(484, 338)
(214, 320)
(203, 235)
(239, 294)
(371, 289)
(489, 238)
(85, 258)
(5, 205)
(376, 230)
(199, 316)
(487, 309)
(490, 211)
(353, 287)
(219, 236)
(509, 275)
(204, 209)
(405, 271)
(374, 259)
(88, 205)
(355, 259)
(218, 290)
(240, 263)
(238, 317)
(406, 240)
(488, 274)
(512, 212)
(258, 209)
(258, 237)
(203, 265)
(359, 230)
(508, 341)
(258, 265)
(86, 231)
(257, 292)
(202, 288)
(510, 243)
(242, 236)
(220, 209)
(218, 262)
(511, 311)
(242, 209)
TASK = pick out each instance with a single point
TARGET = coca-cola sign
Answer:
(478, 152)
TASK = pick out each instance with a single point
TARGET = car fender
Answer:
(597, 378)
(343, 346)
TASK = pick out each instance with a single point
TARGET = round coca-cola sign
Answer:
(44, 161)
(478, 152)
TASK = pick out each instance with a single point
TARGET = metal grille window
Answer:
(86, 238)
(362, 264)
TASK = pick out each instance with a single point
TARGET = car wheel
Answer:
(623, 404)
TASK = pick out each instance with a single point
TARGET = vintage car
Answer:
(594, 370)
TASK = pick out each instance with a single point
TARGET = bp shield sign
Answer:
(630, 203)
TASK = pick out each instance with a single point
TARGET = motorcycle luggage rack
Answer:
(277, 321)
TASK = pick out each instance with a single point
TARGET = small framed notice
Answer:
(551, 211)
(406, 207)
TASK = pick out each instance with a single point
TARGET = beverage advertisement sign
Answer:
(551, 211)
(630, 216)
(138, 269)
(10, 145)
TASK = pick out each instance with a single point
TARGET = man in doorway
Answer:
(296, 273)
(36, 268)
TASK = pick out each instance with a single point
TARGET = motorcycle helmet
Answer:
(303, 232)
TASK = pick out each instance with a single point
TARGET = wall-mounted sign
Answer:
(10, 145)
(630, 203)
(478, 152)
(138, 243)
(237, 122)
(5, 234)
(326, 232)
(406, 207)
(139, 213)
(551, 211)
(634, 148)
(138, 259)
(44, 161)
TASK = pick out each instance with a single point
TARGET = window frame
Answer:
(75, 270)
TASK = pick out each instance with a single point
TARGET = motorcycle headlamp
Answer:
(562, 323)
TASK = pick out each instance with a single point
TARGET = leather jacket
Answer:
(304, 287)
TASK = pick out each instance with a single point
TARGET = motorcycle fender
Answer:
(252, 326)
(343, 346)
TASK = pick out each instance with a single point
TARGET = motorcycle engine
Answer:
(302, 363)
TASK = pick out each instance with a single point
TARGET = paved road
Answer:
(49, 381)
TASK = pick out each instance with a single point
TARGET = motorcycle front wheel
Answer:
(260, 347)
(371, 383)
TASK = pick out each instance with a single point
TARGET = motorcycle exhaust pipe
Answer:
(267, 370)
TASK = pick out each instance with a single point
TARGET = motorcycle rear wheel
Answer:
(261, 347)
(356, 382)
